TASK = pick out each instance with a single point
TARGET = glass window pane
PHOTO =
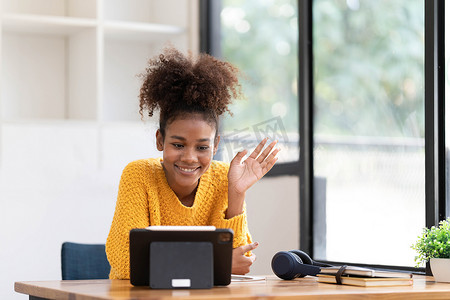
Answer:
(261, 38)
(369, 129)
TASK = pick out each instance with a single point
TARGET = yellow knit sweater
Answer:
(145, 198)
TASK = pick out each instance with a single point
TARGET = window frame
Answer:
(434, 95)
(435, 158)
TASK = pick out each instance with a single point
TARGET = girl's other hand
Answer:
(240, 262)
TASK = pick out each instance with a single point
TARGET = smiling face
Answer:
(188, 148)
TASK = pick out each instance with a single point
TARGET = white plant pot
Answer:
(440, 267)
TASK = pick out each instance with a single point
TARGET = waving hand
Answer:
(243, 174)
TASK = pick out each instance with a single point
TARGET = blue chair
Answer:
(84, 261)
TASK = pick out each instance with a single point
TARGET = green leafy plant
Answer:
(433, 243)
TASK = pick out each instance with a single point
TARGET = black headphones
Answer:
(294, 264)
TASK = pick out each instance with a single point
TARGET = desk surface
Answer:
(272, 287)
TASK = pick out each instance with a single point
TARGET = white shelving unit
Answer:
(69, 120)
(75, 61)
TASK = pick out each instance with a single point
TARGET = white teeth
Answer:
(187, 170)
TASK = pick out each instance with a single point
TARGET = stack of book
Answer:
(364, 277)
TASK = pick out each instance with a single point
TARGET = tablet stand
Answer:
(186, 265)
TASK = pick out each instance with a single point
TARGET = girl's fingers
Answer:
(266, 152)
(273, 154)
(270, 161)
(269, 165)
(249, 247)
(258, 149)
(266, 158)
(238, 158)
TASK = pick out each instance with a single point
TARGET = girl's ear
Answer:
(159, 140)
(216, 144)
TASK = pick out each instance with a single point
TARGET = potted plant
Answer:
(434, 245)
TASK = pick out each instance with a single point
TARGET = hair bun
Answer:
(173, 80)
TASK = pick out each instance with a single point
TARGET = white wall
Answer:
(59, 183)
(273, 212)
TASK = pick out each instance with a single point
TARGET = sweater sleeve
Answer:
(131, 212)
(219, 181)
(239, 226)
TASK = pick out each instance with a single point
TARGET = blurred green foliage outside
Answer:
(368, 65)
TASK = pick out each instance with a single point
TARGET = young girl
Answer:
(185, 186)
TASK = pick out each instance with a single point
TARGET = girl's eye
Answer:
(177, 145)
(203, 148)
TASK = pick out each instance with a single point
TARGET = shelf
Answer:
(137, 31)
(146, 11)
(51, 25)
(58, 8)
(49, 122)
(49, 77)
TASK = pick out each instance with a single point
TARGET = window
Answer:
(371, 126)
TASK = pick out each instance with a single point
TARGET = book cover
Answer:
(358, 271)
(366, 281)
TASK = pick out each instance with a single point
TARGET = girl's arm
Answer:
(243, 174)
(242, 242)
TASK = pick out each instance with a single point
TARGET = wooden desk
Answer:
(272, 287)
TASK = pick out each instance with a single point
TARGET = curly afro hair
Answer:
(179, 85)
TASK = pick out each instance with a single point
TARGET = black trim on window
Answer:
(284, 169)
(435, 162)
(305, 88)
(210, 27)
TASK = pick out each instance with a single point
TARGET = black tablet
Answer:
(141, 239)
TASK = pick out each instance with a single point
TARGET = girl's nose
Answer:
(189, 155)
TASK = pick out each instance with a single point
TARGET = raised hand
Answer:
(243, 174)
